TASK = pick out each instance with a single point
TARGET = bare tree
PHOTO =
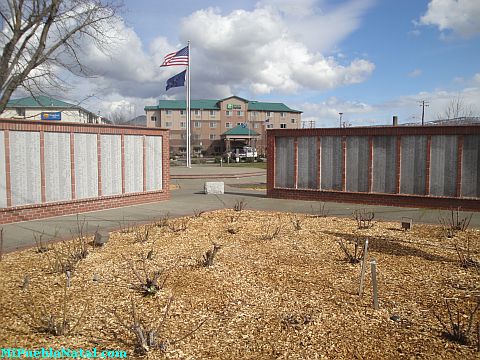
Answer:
(455, 109)
(40, 37)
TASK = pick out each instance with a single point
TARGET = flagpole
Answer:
(189, 150)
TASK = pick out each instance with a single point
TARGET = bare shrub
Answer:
(208, 257)
(465, 254)
(39, 242)
(198, 213)
(56, 319)
(240, 205)
(364, 218)
(296, 222)
(233, 226)
(179, 225)
(460, 319)
(455, 222)
(321, 211)
(353, 249)
(163, 221)
(125, 226)
(272, 231)
(149, 282)
(150, 337)
(1, 244)
(142, 234)
(66, 256)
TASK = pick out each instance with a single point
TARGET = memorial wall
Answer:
(49, 169)
(410, 166)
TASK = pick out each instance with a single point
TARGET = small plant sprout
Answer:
(296, 222)
(240, 205)
(197, 213)
(209, 256)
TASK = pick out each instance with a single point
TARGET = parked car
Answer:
(242, 153)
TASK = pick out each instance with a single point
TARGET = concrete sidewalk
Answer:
(189, 197)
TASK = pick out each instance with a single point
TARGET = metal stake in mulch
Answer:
(362, 271)
(373, 264)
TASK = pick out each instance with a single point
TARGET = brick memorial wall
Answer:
(58, 169)
(430, 166)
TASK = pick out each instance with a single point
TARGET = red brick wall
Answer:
(373, 198)
(43, 210)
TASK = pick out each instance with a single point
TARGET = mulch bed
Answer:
(273, 292)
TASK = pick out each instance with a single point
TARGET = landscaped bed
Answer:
(279, 286)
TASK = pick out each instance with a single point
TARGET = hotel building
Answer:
(218, 125)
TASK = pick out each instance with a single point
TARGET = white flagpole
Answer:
(189, 161)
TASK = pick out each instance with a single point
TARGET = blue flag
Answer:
(177, 80)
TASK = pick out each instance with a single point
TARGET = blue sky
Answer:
(369, 59)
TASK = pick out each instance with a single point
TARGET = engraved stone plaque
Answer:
(86, 165)
(133, 163)
(25, 167)
(154, 162)
(57, 167)
(111, 164)
(3, 172)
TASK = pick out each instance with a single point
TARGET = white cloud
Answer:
(255, 50)
(277, 47)
(415, 73)
(407, 107)
(460, 16)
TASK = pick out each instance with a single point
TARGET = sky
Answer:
(369, 59)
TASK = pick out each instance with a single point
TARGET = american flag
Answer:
(179, 57)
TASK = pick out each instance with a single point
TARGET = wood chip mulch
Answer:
(273, 292)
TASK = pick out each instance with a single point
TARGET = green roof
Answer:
(240, 130)
(39, 102)
(181, 104)
(213, 105)
(267, 106)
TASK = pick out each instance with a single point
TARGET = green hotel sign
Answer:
(233, 106)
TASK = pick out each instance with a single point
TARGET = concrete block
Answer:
(214, 187)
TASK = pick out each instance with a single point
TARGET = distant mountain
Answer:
(140, 120)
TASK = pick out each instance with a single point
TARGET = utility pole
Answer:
(341, 114)
(423, 104)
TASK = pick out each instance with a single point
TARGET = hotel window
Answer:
(282, 114)
(197, 112)
(182, 112)
(269, 126)
(255, 125)
(254, 114)
(212, 136)
(196, 136)
(20, 111)
(197, 124)
(213, 124)
(183, 136)
(183, 124)
(213, 113)
(228, 125)
(153, 118)
(293, 121)
(269, 113)
(228, 113)
(168, 112)
(168, 124)
(240, 113)
(283, 126)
